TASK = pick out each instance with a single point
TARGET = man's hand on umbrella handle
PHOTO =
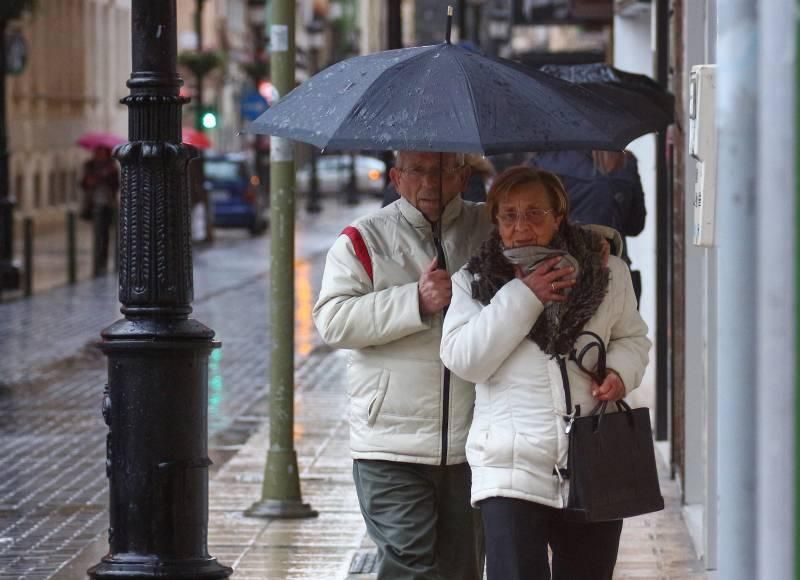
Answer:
(546, 282)
(435, 289)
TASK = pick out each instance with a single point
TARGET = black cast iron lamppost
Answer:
(156, 403)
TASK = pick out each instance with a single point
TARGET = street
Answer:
(53, 489)
(53, 502)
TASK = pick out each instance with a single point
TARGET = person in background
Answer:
(604, 188)
(100, 184)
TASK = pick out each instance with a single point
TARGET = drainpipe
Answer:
(663, 240)
(737, 99)
(796, 381)
(774, 281)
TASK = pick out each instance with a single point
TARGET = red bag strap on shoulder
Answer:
(360, 247)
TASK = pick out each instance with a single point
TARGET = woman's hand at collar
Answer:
(547, 283)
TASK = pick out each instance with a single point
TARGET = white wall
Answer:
(700, 304)
(78, 63)
(633, 52)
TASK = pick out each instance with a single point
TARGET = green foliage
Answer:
(256, 70)
(201, 63)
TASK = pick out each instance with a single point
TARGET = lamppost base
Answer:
(133, 566)
(281, 509)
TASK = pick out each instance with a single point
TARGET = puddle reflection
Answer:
(304, 302)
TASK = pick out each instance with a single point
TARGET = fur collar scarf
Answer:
(556, 331)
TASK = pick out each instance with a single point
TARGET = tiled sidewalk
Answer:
(317, 548)
(655, 546)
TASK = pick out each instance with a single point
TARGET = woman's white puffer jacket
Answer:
(517, 440)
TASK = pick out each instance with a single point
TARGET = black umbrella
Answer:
(639, 94)
(446, 98)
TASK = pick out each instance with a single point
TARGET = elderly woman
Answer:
(517, 311)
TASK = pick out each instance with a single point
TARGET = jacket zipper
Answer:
(446, 380)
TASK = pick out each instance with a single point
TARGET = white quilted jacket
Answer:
(400, 409)
(518, 435)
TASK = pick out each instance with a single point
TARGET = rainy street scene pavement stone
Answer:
(53, 488)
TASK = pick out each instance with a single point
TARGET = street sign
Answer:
(16, 53)
(252, 104)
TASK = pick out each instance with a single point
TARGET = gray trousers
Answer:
(420, 518)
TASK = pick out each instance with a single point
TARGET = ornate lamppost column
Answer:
(156, 403)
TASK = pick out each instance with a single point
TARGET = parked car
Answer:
(333, 174)
(237, 198)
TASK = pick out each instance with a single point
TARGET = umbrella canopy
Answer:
(94, 139)
(196, 138)
(446, 98)
(639, 94)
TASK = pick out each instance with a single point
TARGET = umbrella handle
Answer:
(441, 262)
(449, 24)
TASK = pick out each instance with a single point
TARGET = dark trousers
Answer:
(518, 533)
(420, 518)
(103, 218)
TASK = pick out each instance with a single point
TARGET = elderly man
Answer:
(383, 295)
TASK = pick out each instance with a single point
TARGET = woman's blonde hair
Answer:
(522, 175)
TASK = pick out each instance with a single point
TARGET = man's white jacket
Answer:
(402, 405)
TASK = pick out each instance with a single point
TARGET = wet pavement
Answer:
(53, 490)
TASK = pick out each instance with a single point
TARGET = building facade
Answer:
(78, 63)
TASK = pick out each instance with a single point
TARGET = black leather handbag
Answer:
(611, 465)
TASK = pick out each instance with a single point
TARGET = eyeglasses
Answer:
(420, 173)
(535, 216)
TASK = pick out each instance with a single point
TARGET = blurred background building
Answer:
(78, 60)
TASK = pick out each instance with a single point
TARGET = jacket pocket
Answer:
(493, 447)
(377, 400)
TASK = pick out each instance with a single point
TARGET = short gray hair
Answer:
(461, 159)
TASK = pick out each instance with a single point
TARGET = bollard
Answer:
(72, 259)
(27, 248)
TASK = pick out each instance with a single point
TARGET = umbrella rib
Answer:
(472, 101)
(360, 101)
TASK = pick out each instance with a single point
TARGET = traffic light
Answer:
(209, 118)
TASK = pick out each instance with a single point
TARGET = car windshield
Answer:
(222, 170)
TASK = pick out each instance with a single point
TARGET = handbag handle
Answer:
(598, 374)
(599, 411)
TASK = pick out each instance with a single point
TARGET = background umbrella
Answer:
(95, 139)
(196, 138)
(446, 98)
(639, 94)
